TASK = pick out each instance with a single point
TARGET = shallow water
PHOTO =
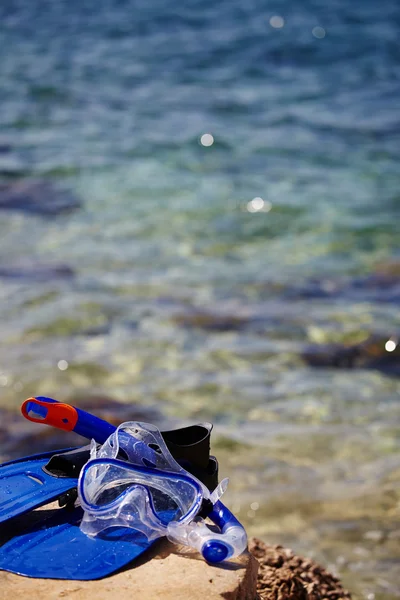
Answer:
(183, 299)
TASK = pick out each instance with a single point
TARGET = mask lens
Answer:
(169, 495)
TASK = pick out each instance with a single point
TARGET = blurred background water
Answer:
(235, 257)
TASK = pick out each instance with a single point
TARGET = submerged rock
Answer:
(380, 286)
(211, 322)
(36, 271)
(389, 268)
(370, 354)
(217, 321)
(36, 196)
(5, 147)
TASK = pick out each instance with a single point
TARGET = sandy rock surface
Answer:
(168, 572)
(164, 574)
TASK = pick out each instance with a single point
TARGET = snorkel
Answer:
(132, 480)
(64, 416)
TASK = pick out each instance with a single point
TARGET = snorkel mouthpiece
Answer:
(215, 552)
(214, 547)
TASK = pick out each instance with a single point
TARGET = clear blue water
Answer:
(110, 100)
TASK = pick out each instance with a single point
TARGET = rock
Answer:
(170, 572)
(36, 196)
(389, 268)
(221, 322)
(284, 576)
(380, 286)
(11, 167)
(371, 354)
(36, 271)
(5, 147)
(166, 572)
(211, 322)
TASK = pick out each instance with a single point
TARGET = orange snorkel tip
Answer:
(48, 412)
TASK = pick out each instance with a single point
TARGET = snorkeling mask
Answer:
(132, 481)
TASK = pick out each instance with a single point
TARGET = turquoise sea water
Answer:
(182, 297)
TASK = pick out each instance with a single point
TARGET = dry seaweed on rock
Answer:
(285, 576)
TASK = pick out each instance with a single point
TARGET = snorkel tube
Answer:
(63, 416)
(66, 417)
(137, 442)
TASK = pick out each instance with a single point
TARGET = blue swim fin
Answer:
(49, 543)
(25, 484)
(55, 548)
